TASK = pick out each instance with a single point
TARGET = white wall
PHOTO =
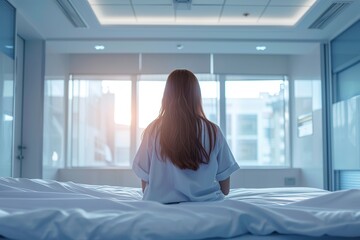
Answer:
(307, 151)
(33, 99)
(57, 65)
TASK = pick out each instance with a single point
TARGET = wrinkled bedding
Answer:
(45, 209)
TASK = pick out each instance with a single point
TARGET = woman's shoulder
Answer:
(152, 130)
(215, 131)
(214, 127)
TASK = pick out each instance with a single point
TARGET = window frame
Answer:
(221, 105)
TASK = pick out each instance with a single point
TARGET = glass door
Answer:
(7, 76)
(344, 98)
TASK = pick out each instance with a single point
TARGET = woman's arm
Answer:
(225, 186)
(143, 185)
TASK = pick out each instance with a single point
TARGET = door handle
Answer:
(20, 149)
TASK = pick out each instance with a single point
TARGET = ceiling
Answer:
(210, 26)
(200, 12)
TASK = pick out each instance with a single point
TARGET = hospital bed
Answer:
(47, 209)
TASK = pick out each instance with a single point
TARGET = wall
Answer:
(307, 151)
(33, 99)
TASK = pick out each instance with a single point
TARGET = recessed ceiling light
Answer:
(9, 47)
(179, 46)
(260, 48)
(99, 47)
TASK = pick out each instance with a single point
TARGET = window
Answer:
(108, 114)
(150, 92)
(102, 130)
(210, 96)
(247, 150)
(256, 131)
(247, 124)
(54, 123)
(100, 121)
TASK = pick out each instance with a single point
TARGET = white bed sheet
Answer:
(44, 209)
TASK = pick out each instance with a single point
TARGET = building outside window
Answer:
(256, 131)
(99, 122)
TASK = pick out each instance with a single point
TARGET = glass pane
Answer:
(210, 96)
(150, 93)
(54, 126)
(151, 89)
(7, 117)
(101, 121)
(7, 43)
(255, 121)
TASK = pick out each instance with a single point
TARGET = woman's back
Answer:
(168, 183)
(183, 156)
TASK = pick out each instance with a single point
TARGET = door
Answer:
(7, 82)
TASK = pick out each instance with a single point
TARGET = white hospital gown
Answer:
(169, 184)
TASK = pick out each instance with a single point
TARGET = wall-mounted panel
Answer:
(248, 64)
(104, 64)
(346, 133)
(166, 63)
(345, 48)
(348, 82)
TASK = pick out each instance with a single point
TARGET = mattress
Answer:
(46, 209)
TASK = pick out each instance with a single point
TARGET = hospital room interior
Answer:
(80, 80)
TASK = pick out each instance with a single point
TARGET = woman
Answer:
(183, 156)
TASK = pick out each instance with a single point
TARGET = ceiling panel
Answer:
(153, 2)
(280, 12)
(282, 15)
(111, 14)
(248, 2)
(201, 14)
(158, 14)
(234, 14)
(292, 2)
(109, 1)
(207, 2)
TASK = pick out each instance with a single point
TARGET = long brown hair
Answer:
(181, 120)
